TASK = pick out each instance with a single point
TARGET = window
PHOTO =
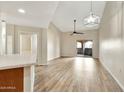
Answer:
(79, 45)
(88, 44)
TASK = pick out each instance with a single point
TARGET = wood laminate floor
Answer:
(76, 74)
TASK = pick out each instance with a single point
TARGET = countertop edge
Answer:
(17, 66)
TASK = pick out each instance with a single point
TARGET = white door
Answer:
(28, 44)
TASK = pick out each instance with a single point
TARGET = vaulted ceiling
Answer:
(67, 11)
(41, 13)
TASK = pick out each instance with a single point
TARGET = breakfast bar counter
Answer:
(17, 73)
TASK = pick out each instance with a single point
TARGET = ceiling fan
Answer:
(74, 32)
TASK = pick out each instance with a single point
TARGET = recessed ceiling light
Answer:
(21, 10)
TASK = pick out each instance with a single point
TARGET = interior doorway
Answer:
(28, 44)
(84, 48)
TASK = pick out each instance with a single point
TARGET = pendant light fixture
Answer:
(91, 20)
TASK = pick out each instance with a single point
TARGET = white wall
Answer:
(10, 32)
(16, 30)
(53, 42)
(44, 47)
(68, 46)
(111, 42)
(0, 37)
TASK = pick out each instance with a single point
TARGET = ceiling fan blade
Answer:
(79, 33)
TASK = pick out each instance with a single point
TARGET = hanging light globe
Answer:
(91, 20)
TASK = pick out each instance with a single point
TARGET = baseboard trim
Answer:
(121, 86)
(42, 64)
(54, 59)
(78, 56)
(67, 56)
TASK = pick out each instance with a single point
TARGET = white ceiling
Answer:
(38, 14)
(41, 13)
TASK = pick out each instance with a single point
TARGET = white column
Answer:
(29, 77)
(2, 37)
